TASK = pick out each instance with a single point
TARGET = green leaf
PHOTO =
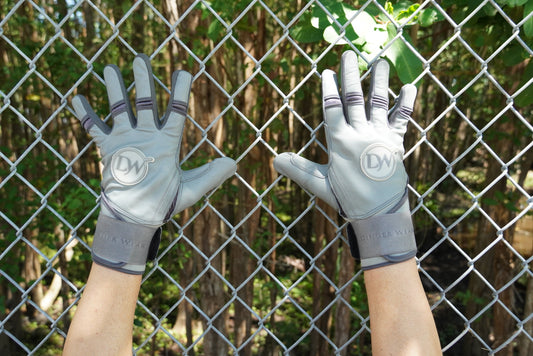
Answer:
(404, 8)
(341, 13)
(404, 14)
(335, 8)
(364, 32)
(363, 24)
(512, 3)
(307, 34)
(490, 201)
(214, 30)
(406, 63)
(513, 54)
(284, 64)
(389, 8)
(429, 16)
(526, 97)
(376, 39)
(528, 25)
(332, 36)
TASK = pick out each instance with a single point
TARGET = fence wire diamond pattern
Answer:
(259, 266)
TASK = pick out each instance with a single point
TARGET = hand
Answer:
(142, 183)
(365, 179)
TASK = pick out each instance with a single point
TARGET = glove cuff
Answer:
(124, 246)
(384, 239)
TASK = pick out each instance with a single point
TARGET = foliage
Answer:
(259, 80)
(372, 32)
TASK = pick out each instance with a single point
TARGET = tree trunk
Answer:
(171, 13)
(503, 324)
(525, 346)
(496, 264)
(212, 293)
(343, 313)
(206, 104)
(241, 264)
(323, 293)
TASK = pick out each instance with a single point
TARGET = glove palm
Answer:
(365, 177)
(142, 183)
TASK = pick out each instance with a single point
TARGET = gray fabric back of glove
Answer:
(142, 182)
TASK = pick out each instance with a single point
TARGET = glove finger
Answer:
(89, 120)
(119, 102)
(332, 105)
(379, 93)
(145, 100)
(403, 108)
(198, 181)
(179, 101)
(309, 175)
(352, 92)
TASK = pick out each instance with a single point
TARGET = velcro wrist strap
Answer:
(123, 246)
(385, 239)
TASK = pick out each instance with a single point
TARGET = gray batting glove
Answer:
(365, 179)
(142, 182)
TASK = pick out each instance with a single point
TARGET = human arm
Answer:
(365, 180)
(400, 317)
(143, 186)
(103, 323)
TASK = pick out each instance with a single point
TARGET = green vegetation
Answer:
(257, 92)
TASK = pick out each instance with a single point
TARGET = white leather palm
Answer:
(142, 182)
(365, 175)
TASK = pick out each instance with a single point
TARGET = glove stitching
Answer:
(107, 203)
(348, 214)
(87, 122)
(123, 215)
(118, 108)
(379, 102)
(332, 101)
(405, 112)
(354, 98)
(144, 104)
(170, 211)
(179, 107)
(295, 163)
(176, 177)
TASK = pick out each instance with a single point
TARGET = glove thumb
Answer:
(309, 175)
(198, 181)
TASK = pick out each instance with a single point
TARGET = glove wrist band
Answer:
(385, 239)
(124, 246)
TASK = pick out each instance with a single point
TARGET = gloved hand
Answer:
(365, 179)
(142, 183)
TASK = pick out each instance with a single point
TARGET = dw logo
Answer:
(378, 162)
(129, 166)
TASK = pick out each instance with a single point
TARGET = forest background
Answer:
(260, 267)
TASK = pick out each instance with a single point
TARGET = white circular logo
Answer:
(378, 162)
(129, 166)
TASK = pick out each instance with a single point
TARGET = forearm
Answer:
(142, 188)
(400, 316)
(103, 323)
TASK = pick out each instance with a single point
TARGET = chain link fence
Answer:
(259, 266)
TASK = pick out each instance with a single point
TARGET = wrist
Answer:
(124, 246)
(385, 239)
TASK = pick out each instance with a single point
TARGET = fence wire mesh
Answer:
(259, 266)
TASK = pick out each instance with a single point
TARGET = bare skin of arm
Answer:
(103, 323)
(400, 316)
